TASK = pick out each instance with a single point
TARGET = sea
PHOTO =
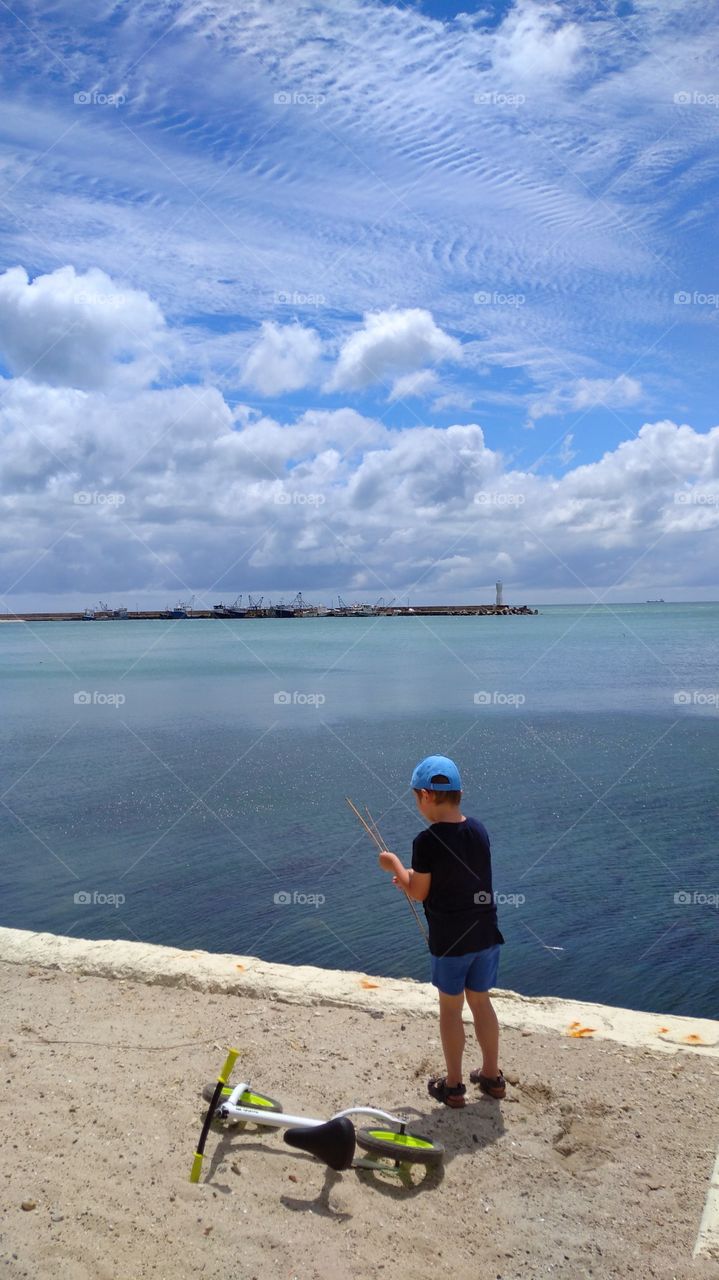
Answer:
(185, 782)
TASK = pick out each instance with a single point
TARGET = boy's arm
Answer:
(419, 884)
(415, 883)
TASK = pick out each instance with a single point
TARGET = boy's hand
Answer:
(388, 861)
(401, 876)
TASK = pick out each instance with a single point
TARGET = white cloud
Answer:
(588, 393)
(581, 199)
(536, 42)
(566, 453)
(452, 400)
(389, 345)
(78, 329)
(413, 384)
(328, 497)
(615, 393)
(284, 358)
(584, 189)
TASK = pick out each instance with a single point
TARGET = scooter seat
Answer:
(332, 1142)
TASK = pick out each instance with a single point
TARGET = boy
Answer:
(452, 875)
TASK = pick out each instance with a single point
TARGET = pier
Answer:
(349, 611)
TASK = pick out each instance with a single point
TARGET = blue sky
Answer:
(312, 278)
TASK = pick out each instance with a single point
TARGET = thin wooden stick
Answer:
(415, 912)
(376, 838)
(374, 826)
(374, 835)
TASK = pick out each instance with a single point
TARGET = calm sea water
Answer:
(215, 789)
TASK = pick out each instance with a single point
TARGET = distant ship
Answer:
(105, 611)
(280, 610)
(180, 610)
(345, 610)
(233, 610)
(655, 601)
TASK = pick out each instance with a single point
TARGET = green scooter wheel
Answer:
(409, 1148)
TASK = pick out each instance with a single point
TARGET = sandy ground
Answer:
(596, 1164)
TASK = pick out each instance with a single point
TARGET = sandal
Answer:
(493, 1088)
(451, 1096)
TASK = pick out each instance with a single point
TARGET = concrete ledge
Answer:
(307, 985)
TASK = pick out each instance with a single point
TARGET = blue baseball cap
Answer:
(429, 768)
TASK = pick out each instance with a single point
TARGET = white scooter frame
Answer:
(231, 1109)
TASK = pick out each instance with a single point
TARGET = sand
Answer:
(597, 1164)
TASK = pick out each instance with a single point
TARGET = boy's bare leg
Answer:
(451, 1030)
(487, 1031)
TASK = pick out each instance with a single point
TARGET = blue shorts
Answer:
(476, 971)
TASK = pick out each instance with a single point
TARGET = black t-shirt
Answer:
(459, 907)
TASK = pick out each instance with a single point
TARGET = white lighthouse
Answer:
(498, 586)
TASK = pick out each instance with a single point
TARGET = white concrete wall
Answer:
(305, 984)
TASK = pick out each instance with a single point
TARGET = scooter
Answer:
(332, 1141)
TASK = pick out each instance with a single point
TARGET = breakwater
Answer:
(149, 615)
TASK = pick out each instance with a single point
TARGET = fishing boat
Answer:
(105, 611)
(181, 610)
(88, 615)
(280, 610)
(233, 610)
(345, 610)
